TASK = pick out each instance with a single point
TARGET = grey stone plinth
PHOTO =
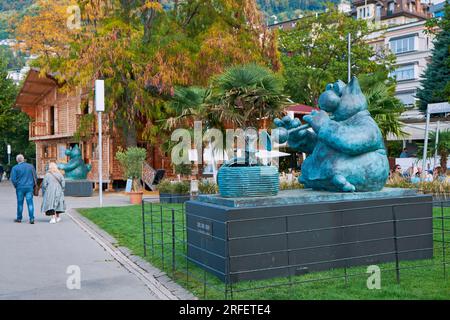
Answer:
(79, 188)
(300, 231)
(302, 196)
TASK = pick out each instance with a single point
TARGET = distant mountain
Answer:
(282, 10)
(6, 5)
(7, 8)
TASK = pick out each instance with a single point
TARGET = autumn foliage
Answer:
(144, 48)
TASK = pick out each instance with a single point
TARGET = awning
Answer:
(33, 90)
(416, 131)
(300, 109)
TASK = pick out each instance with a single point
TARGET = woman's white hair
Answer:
(53, 167)
(20, 158)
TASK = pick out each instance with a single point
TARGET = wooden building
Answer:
(56, 120)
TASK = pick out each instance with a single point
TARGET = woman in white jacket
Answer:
(53, 203)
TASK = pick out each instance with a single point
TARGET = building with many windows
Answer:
(405, 36)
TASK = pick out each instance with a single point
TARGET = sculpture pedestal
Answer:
(78, 188)
(299, 231)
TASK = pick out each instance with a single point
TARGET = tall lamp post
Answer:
(8, 151)
(100, 107)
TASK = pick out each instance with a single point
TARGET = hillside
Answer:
(7, 8)
(290, 9)
(6, 5)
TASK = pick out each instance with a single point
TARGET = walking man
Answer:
(23, 177)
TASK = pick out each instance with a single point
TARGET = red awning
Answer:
(301, 109)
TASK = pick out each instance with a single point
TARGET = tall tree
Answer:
(315, 53)
(13, 124)
(435, 83)
(143, 51)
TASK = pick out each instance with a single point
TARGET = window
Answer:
(391, 7)
(407, 98)
(52, 120)
(402, 45)
(404, 73)
(378, 11)
(364, 12)
(94, 149)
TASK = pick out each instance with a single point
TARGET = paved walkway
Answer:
(34, 258)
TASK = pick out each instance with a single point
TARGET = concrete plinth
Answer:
(299, 231)
(79, 188)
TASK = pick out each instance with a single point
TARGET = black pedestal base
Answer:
(249, 243)
(79, 188)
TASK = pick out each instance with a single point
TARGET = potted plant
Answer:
(131, 162)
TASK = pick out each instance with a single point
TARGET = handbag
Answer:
(36, 186)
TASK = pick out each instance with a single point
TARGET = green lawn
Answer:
(125, 224)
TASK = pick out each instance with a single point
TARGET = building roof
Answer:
(35, 88)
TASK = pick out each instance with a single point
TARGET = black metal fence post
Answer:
(173, 242)
(143, 228)
(397, 262)
(443, 240)
(152, 230)
(228, 259)
(162, 236)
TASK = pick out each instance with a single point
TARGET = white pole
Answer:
(425, 143)
(436, 143)
(8, 149)
(100, 107)
(100, 159)
(349, 57)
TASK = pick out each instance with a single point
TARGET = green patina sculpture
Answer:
(75, 169)
(246, 176)
(345, 147)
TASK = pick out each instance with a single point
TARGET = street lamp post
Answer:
(8, 150)
(100, 107)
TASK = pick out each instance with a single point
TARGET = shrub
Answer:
(294, 184)
(165, 187)
(181, 187)
(207, 187)
(131, 161)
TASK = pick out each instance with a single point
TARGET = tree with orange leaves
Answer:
(144, 51)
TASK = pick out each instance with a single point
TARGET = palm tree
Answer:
(187, 102)
(242, 95)
(442, 148)
(246, 94)
(385, 109)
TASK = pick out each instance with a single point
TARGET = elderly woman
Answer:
(53, 193)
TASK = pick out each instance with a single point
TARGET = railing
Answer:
(165, 228)
(38, 129)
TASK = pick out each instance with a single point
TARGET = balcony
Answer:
(38, 129)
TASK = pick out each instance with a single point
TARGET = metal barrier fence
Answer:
(165, 243)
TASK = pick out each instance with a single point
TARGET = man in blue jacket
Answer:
(23, 177)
